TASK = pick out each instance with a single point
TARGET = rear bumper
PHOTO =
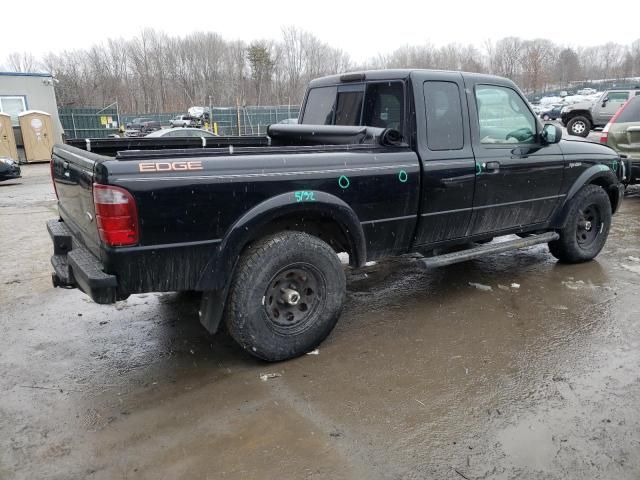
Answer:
(76, 267)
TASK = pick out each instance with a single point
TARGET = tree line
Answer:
(155, 72)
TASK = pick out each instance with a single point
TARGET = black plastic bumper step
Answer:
(489, 249)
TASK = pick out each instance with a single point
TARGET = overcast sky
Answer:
(363, 29)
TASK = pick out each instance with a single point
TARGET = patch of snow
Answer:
(632, 268)
(480, 286)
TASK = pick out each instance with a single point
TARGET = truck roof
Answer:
(398, 74)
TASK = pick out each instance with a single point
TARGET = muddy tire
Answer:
(587, 228)
(579, 126)
(286, 296)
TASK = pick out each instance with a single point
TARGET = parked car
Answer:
(181, 132)
(182, 121)
(289, 121)
(382, 163)
(143, 125)
(581, 117)
(622, 134)
(551, 114)
(9, 169)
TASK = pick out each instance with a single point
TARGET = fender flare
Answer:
(215, 280)
(580, 113)
(596, 174)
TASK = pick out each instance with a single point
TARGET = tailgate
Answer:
(73, 172)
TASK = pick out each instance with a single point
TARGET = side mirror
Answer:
(551, 133)
(604, 102)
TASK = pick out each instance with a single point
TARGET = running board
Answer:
(488, 249)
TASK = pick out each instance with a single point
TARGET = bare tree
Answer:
(22, 62)
(154, 72)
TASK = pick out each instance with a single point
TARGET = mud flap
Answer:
(212, 309)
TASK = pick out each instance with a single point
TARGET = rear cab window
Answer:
(375, 104)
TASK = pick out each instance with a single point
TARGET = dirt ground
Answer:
(508, 367)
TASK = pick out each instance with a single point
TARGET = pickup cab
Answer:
(382, 163)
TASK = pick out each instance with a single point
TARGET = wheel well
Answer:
(317, 224)
(580, 113)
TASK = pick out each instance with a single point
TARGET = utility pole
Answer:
(238, 115)
(210, 115)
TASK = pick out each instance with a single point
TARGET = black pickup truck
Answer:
(382, 163)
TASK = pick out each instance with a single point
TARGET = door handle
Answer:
(492, 166)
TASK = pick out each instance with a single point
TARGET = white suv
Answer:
(181, 121)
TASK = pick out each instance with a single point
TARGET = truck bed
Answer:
(193, 198)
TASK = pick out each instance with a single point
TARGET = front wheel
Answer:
(579, 126)
(587, 227)
(286, 296)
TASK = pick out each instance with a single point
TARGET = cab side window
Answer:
(503, 116)
(444, 116)
(618, 97)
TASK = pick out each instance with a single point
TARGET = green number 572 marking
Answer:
(305, 196)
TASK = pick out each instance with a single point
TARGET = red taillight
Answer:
(116, 215)
(53, 177)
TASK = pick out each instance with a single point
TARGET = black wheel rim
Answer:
(589, 225)
(293, 296)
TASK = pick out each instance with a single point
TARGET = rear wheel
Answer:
(286, 296)
(579, 126)
(587, 227)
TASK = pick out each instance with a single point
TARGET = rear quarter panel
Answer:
(186, 215)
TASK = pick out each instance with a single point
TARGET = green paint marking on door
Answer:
(402, 176)
(344, 182)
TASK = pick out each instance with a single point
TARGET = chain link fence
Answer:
(231, 121)
(88, 122)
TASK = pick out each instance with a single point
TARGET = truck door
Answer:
(448, 166)
(518, 178)
(608, 105)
